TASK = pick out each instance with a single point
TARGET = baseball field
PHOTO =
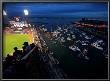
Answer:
(14, 40)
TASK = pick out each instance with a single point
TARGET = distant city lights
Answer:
(4, 13)
(26, 12)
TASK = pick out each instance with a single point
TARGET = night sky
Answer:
(75, 10)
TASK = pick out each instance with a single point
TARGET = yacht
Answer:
(74, 48)
(71, 32)
(86, 57)
(68, 34)
(86, 37)
(55, 33)
(62, 39)
(73, 36)
(78, 41)
(84, 33)
(100, 42)
(80, 35)
(84, 43)
(68, 38)
(97, 46)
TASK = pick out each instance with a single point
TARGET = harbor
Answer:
(62, 41)
(79, 56)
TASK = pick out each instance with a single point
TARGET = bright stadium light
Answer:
(26, 12)
(4, 13)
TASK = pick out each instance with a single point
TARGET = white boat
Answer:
(77, 41)
(97, 46)
(86, 37)
(84, 33)
(80, 35)
(73, 36)
(62, 39)
(68, 38)
(87, 58)
(55, 33)
(66, 30)
(59, 28)
(60, 34)
(78, 49)
(71, 32)
(68, 34)
(99, 41)
(84, 44)
(74, 48)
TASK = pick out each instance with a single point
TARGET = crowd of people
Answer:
(14, 30)
(15, 67)
(8, 30)
(14, 64)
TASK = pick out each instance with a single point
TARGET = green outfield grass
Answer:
(13, 40)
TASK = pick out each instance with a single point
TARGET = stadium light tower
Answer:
(4, 13)
(26, 12)
(26, 19)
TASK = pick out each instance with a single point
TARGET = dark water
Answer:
(77, 68)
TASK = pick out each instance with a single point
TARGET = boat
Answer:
(80, 35)
(86, 37)
(74, 48)
(62, 39)
(68, 38)
(71, 32)
(86, 57)
(100, 42)
(68, 34)
(73, 36)
(97, 46)
(55, 33)
(84, 33)
(78, 41)
(84, 43)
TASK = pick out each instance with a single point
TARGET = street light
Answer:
(25, 12)
(4, 13)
